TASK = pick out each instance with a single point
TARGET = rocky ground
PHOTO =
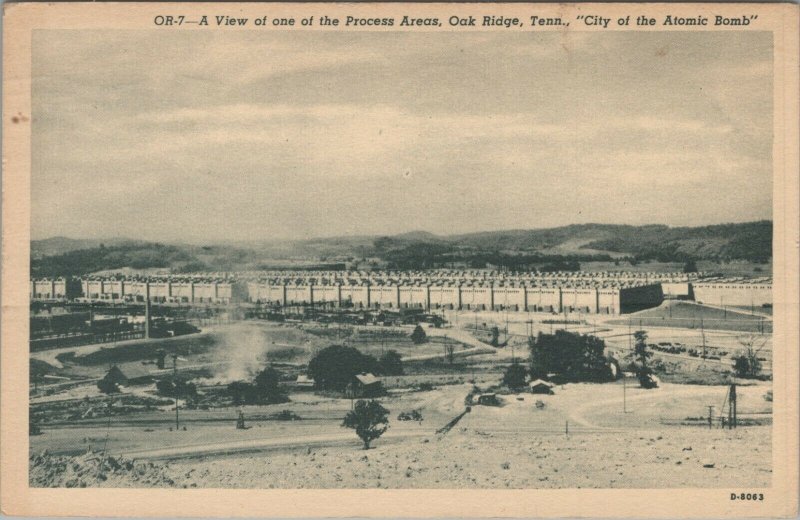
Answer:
(95, 470)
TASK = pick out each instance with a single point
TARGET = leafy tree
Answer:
(690, 266)
(515, 375)
(391, 364)
(573, 356)
(335, 366)
(418, 336)
(267, 383)
(369, 419)
(642, 354)
(241, 392)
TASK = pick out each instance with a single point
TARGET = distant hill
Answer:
(59, 245)
(553, 248)
(748, 241)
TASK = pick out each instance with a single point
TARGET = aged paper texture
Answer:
(414, 260)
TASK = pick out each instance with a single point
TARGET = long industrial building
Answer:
(163, 289)
(589, 292)
(586, 297)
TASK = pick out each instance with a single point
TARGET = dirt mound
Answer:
(93, 470)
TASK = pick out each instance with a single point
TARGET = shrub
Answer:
(391, 364)
(285, 415)
(176, 388)
(418, 336)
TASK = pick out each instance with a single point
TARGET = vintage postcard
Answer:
(407, 260)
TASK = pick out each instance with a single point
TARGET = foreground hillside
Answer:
(464, 458)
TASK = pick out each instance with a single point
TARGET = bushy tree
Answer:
(267, 384)
(265, 389)
(369, 419)
(391, 364)
(747, 364)
(418, 336)
(573, 356)
(111, 382)
(335, 366)
(515, 375)
(108, 386)
(241, 392)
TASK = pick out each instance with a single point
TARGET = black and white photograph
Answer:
(396, 259)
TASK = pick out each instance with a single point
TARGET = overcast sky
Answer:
(202, 136)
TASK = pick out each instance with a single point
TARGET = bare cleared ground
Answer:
(660, 442)
(475, 458)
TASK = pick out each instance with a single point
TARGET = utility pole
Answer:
(710, 416)
(703, 335)
(624, 393)
(732, 407)
(175, 386)
(630, 336)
